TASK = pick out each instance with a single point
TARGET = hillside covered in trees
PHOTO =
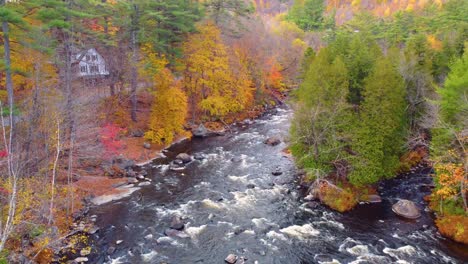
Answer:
(91, 89)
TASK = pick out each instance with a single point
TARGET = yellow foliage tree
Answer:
(209, 79)
(169, 109)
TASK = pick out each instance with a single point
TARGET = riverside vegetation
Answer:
(375, 95)
(382, 85)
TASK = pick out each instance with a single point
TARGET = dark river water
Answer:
(269, 223)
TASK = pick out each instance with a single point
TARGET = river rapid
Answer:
(231, 203)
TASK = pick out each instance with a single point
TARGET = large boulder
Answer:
(137, 133)
(200, 131)
(374, 198)
(231, 259)
(406, 209)
(273, 141)
(184, 157)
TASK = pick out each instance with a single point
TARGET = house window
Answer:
(87, 57)
(94, 69)
(83, 68)
(94, 57)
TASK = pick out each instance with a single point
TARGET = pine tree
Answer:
(224, 13)
(320, 116)
(307, 14)
(359, 52)
(309, 56)
(379, 132)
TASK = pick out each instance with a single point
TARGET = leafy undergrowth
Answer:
(37, 228)
(447, 201)
(343, 196)
(412, 158)
(338, 199)
(454, 227)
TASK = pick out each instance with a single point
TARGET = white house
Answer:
(90, 64)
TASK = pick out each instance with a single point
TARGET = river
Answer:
(231, 203)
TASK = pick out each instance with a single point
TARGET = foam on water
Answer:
(334, 261)
(401, 252)
(148, 257)
(331, 223)
(371, 258)
(302, 232)
(165, 240)
(241, 179)
(249, 232)
(276, 236)
(260, 222)
(164, 168)
(195, 231)
(348, 242)
(181, 211)
(207, 203)
(119, 260)
(358, 250)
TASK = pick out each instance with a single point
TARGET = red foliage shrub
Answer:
(3, 153)
(110, 138)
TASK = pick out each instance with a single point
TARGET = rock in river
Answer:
(273, 141)
(175, 233)
(374, 198)
(231, 259)
(407, 209)
(177, 223)
(277, 172)
(110, 250)
(184, 157)
(199, 156)
(200, 131)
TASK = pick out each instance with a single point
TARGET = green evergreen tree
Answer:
(226, 14)
(309, 56)
(307, 14)
(359, 52)
(379, 131)
(321, 112)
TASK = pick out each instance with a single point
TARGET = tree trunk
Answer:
(9, 80)
(32, 122)
(112, 89)
(134, 71)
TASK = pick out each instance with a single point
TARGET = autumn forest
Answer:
(97, 98)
